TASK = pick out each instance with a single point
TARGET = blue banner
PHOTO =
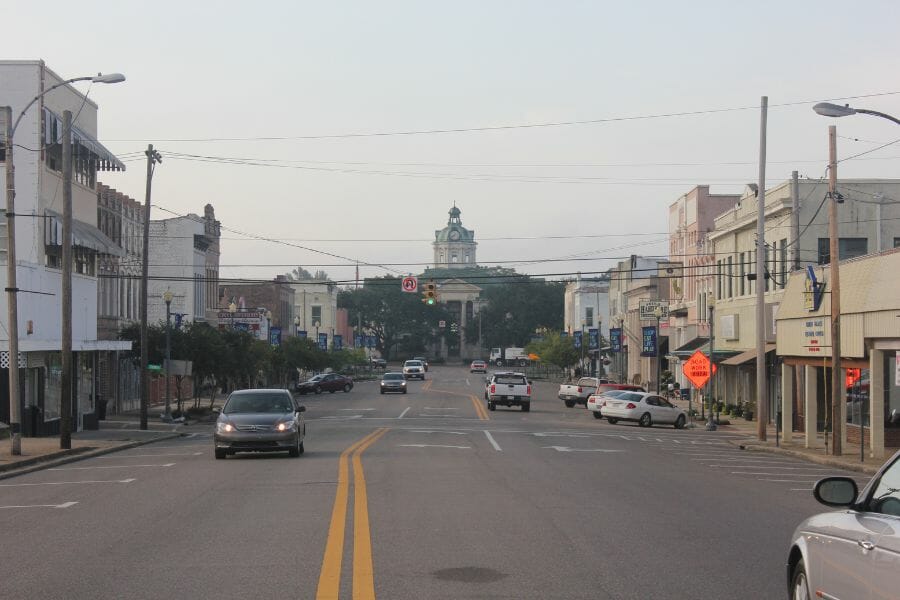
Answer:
(615, 339)
(275, 336)
(370, 341)
(648, 341)
(301, 333)
(563, 334)
(357, 341)
(337, 342)
(323, 341)
(577, 337)
(593, 339)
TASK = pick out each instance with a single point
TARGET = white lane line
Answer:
(567, 449)
(438, 431)
(776, 468)
(408, 408)
(151, 455)
(63, 505)
(438, 408)
(766, 473)
(356, 409)
(467, 381)
(433, 446)
(109, 467)
(492, 441)
(65, 483)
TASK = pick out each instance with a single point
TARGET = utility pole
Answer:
(153, 157)
(834, 260)
(15, 419)
(795, 222)
(65, 406)
(711, 420)
(762, 403)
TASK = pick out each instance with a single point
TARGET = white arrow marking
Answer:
(109, 467)
(567, 449)
(65, 482)
(438, 431)
(63, 505)
(433, 446)
(492, 441)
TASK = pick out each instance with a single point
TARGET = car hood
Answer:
(255, 418)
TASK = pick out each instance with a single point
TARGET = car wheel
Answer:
(318, 389)
(295, 451)
(492, 406)
(679, 422)
(799, 585)
(499, 362)
(526, 407)
(597, 414)
(404, 391)
(300, 448)
(382, 392)
(611, 420)
(570, 403)
(346, 387)
(645, 421)
(220, 454)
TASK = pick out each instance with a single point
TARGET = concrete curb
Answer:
(63, 457)
(754, 446)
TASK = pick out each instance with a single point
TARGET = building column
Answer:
(787, 402)
(809, 407)
(876, 403)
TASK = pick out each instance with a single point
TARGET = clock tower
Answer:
(454, 245)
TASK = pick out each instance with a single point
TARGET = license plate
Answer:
(510, 397)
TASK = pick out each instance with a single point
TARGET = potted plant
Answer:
(737, 410)
(749, 409)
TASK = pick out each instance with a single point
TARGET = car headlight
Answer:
(403, 383)
(286, 426)
(224, 427)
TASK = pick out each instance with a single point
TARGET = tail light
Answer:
(579, 389)
(631, 405)
(493, 388)
(528, 390)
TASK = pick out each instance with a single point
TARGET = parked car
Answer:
(325, 382)
(644, 408)
(595, 401)
(414, 368)
(393, 382)
(260, 420)
(478, 366)
(379, 363)
(422, 360)
(853, 552)
(578, 392)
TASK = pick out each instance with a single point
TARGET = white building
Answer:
(315, 308)
(586, 308)
(39, 197)
(184, 259)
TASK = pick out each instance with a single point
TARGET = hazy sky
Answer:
(213, 78)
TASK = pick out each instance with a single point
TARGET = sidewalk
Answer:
(849, 460)
(120, 432)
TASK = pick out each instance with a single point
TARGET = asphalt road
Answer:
(425, 495)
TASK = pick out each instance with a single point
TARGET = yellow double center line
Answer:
(330, 575)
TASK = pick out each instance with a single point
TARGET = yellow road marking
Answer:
(363, 571)
(480, 410)
(330, 575)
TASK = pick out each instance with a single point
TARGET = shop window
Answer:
(856, 382)
(742, 272)
(891, 391)
(847, 248)
(897, 242)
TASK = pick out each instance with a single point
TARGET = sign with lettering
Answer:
(648, 310)
(648, 341)
(697, 369)
(593, 339)
(323, 341)
(615, 339)
(814, 335)
(576, 336)
(337, 342)
(813, 291)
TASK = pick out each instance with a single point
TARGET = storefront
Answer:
(870, 353)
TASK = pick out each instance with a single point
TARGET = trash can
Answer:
(31, 419)
(101, 408)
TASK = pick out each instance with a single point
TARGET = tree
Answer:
(519, 306)
(301, 274)
(556, 349)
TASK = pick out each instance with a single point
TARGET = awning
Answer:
(97, 153)
(83, 234)
(745, 357)
(692, 346)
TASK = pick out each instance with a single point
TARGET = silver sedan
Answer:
(644, 409)
(260, 420)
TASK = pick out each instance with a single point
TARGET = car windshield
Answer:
(392, 376)
(412, 363)
(510, 379)
(631, 396)
(258, 402)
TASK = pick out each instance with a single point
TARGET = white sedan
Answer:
(643, 408)
(595, 401)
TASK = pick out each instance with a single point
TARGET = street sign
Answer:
(442, 324)
(697, 369)
(647, 309)
(410, 284)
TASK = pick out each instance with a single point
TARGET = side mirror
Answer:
(836, 491)
(301, 408)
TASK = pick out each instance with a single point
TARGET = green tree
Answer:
(556, 349)
(516, 308)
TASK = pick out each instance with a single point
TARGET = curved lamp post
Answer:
(167, 298)
(11, 289)
(297, 326)
(827, 109)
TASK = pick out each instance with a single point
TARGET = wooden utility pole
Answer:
(152, 158)
(837, 421)
(12, 321)
(65, 405)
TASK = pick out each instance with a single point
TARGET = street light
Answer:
(11, 289)
(316, 324)
(658, 313)
(232, 308)
(827, 109)
(167, 298)
(297, 326)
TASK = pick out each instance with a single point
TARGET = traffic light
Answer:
(429, 294)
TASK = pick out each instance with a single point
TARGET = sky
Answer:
(345, 131)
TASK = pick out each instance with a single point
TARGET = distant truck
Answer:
(578, 392)
(508, 389)
(509, 357)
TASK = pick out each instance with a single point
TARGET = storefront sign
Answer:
(593, 339)
(814, 335)
(648, 341)
(813, 292)
(615, 339)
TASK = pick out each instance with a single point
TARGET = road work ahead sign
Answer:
(697, 369)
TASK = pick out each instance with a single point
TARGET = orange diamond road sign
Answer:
(697, 369)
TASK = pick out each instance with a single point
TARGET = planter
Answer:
(748, 415)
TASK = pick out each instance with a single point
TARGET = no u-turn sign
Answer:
(410, 284)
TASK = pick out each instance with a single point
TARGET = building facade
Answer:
(586, 307)
(271, 305)
(315, 308)
(454, 245)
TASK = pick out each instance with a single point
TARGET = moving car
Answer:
(260, 420)
(853, 552)
(414, 368)
(379, 363)
(595, 401)
(325, 382)
(393, 382)
(478, 366)
(422, 360)
(644, 408)
(508, 389)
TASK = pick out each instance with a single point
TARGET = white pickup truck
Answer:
(578, 392)
(508, 389)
